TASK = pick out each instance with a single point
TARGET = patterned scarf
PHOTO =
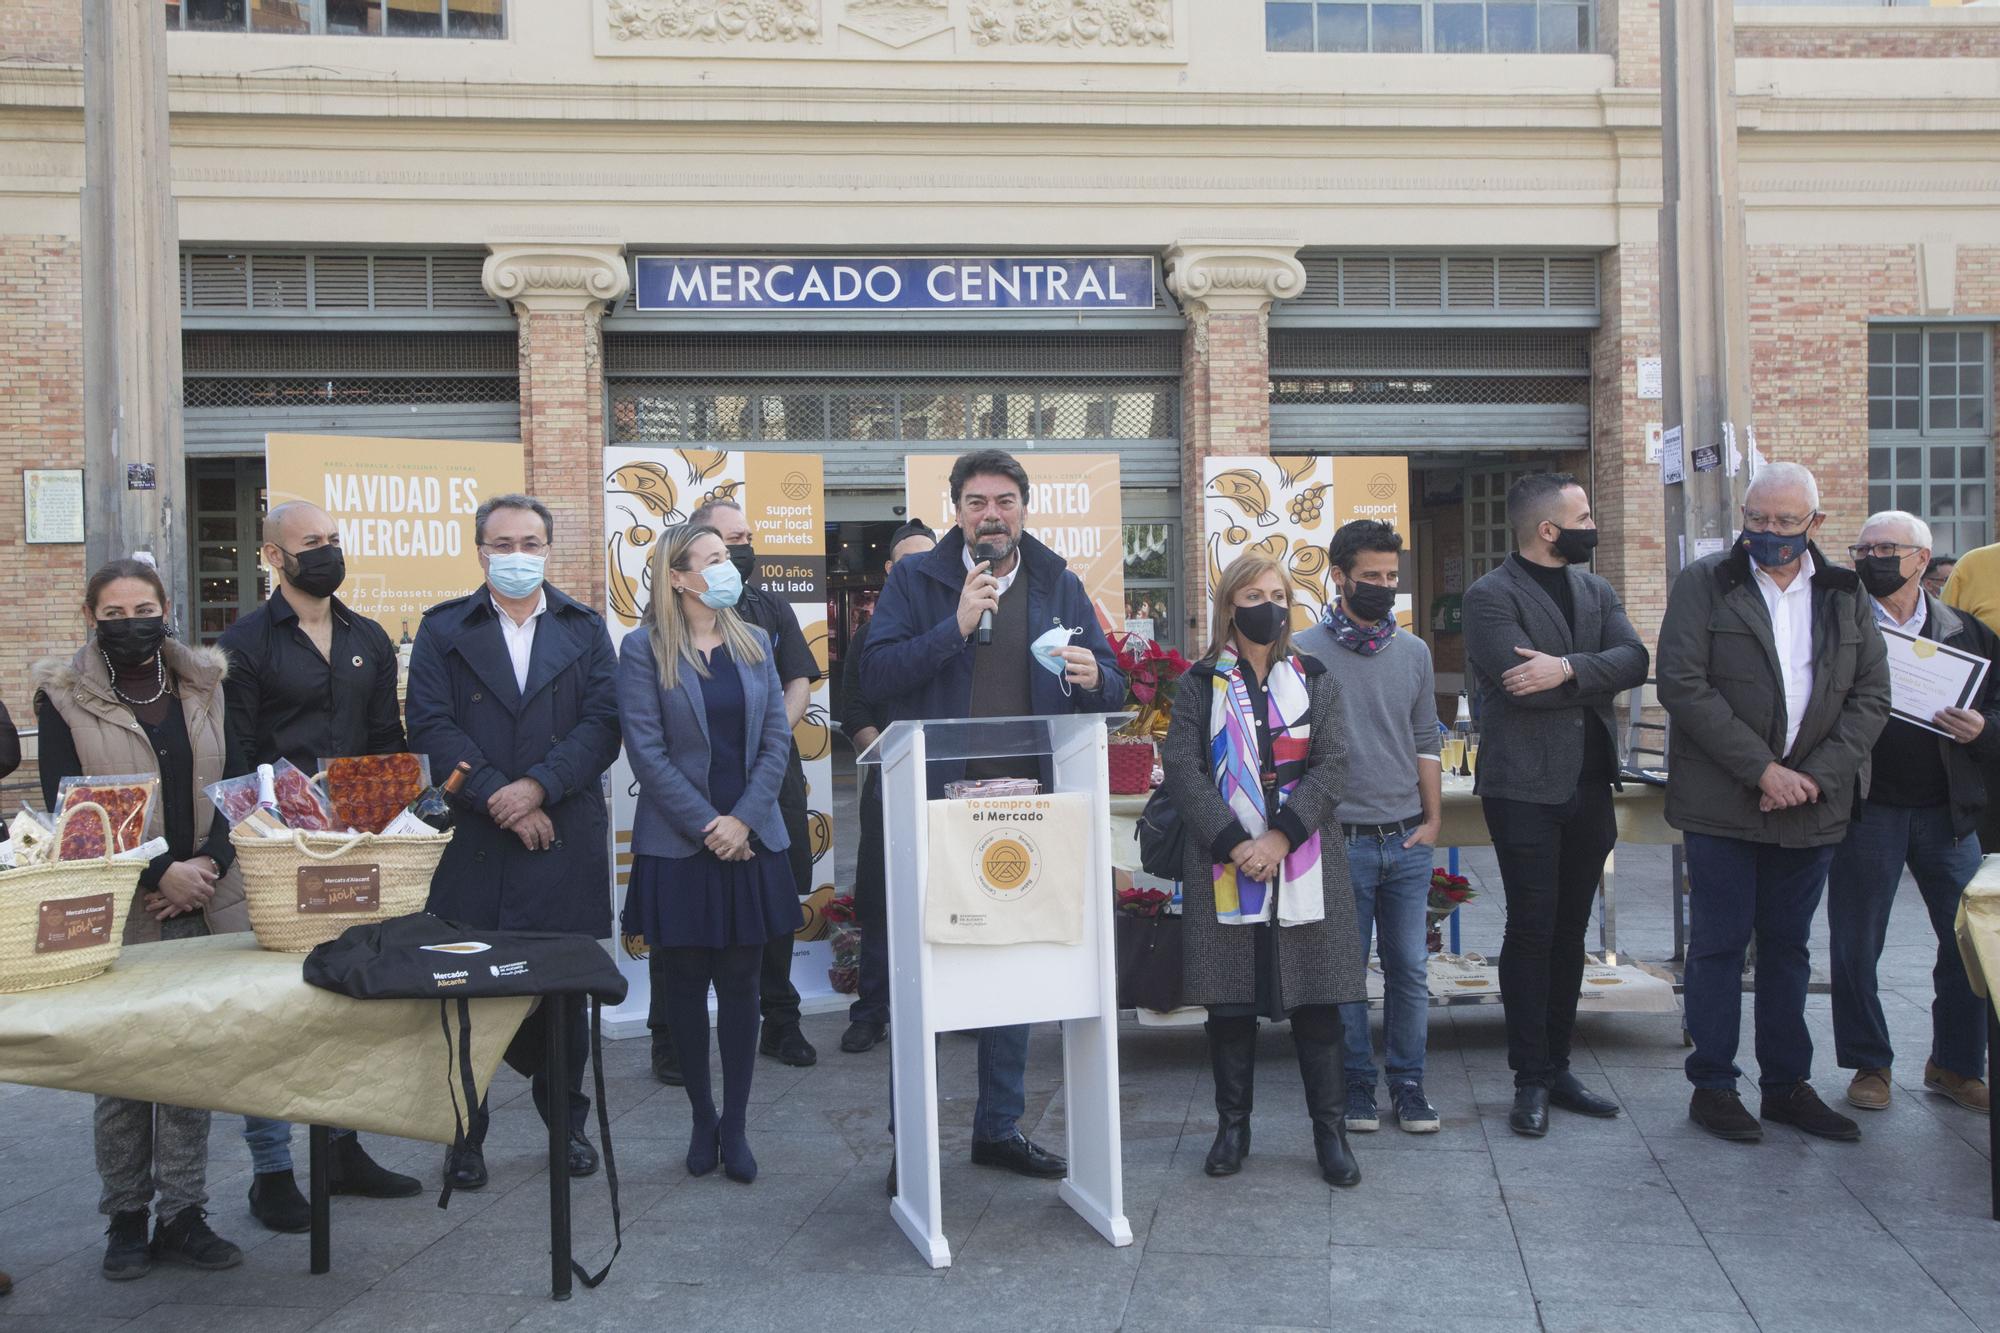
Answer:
(1351, 636)
(1298, 896)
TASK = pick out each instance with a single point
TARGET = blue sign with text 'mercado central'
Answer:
(865, 284)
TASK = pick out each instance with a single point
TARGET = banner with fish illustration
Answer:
(1074, 508)
(650, 488)
(1290, 506)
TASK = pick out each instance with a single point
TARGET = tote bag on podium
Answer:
(1008, 870)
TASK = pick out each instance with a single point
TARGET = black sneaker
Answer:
(186, 1239)
(789, 1045)
(1800, 1107)
(862, 1035)
(1722, 1113)
(127, 1255)
(666, 1061)
(355, 1172)
(1414, 1112)
(276, 1202)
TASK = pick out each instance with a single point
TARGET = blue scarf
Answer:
(1352, 637)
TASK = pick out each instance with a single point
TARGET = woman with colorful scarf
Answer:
(1254, 762)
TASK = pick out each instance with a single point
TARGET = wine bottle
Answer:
(438, 806)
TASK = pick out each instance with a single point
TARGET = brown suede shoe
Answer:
(1869, 1090)
(1967, 1092)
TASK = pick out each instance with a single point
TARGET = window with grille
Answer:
(1488, 539)
(1930, 429)
(1447, 27)
(344, 18)
(341, 283)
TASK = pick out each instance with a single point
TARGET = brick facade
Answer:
(1809, 42)
(1225, 410)
(41, 426)
(562, 435)
(48, 32)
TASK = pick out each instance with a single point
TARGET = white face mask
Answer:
(1048, 651)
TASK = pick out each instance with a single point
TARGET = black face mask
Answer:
(1261, 623)
(744, 556)
(318, 572)
(1576, 544)
(1882, 575)
(130, 643)
(1367, 602)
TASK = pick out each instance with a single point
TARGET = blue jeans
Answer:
(1860, 889)
(1003, 1082)
(1392, 885)
(271, 1143)
(1737, 889)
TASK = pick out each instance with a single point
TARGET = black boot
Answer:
(355, 1172)
(1326, 1092)
(666, 1063)
(276, 1202)
(1232, 1053)
(126, 1253)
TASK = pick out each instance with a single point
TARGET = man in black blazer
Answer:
(1549, 648)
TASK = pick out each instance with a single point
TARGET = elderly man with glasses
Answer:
(1926, 819)
(1776, 681)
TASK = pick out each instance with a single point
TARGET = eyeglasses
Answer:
(1787, 525)
(528, 547)
(1886, 550)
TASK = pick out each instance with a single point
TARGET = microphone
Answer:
(989, 552)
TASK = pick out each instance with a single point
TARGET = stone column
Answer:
(560, 290)
(1225, 287)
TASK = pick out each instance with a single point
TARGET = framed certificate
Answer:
(1926, 676)
(52, 505)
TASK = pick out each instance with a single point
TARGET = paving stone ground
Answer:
(1636, 1223)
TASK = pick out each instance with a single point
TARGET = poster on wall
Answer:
(405, 510)
(1074, 508)
(650, 488)
(1289, 507)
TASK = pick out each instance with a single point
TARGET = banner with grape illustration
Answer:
(648, 489)
(1288, 507)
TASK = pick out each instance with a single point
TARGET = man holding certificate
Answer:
(1944, 725)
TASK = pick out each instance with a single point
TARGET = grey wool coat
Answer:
(1319, 963)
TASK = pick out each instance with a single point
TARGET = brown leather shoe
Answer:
(1967, 1092)
(1869, 1090)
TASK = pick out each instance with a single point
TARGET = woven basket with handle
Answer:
(271, 878)
(29, 960)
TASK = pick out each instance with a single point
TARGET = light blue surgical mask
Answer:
(1048, 651)
(725, 585)
(514, 574)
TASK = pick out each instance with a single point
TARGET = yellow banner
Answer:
(405, 510)
(1074, 508)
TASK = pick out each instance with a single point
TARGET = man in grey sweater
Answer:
(1390, 810)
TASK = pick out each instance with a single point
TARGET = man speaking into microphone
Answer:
(990, 623)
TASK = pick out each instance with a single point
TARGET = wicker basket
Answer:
(29, 960)
(278, 871)
(1131, 766)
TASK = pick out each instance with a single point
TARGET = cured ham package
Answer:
(129, 799)
(369, 791)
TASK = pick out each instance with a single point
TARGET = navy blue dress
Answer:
(702, 901)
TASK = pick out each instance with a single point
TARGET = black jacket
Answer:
(285, 701)
(10, 743)
(1964, 764)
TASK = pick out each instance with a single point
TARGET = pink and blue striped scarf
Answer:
(1298, 896)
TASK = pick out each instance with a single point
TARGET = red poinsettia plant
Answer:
(1143, 902)
(1150, 672)
(1449, 892)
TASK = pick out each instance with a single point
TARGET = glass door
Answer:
(227, 518)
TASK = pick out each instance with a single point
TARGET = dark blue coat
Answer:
(916, 664)
(563, 732)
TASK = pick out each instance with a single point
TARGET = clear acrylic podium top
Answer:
(952, 739)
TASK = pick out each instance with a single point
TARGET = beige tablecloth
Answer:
(1979, 928)
(221, 1024)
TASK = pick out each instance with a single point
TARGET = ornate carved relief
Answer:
(897, 23)
(1073, 22)
(1235, 276)
(716, 20)
(556, 275)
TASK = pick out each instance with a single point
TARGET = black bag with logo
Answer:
(421, 957)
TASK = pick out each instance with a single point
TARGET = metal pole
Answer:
(557, 1074)
(319, 1166)
(1705, 335)
(134, 465)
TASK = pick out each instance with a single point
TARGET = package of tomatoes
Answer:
(368, 791)
(129, 798)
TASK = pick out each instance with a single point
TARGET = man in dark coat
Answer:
(521, 682)
(922, 661)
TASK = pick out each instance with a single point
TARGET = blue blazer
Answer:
(666, 742)
(562, 731)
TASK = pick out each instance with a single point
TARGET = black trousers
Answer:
(871, 908)
(528, 1054)
(1551, 859)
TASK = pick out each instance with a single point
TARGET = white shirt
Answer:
(1006, 580)
(1914, 625)
(520, 638)
(1791, 630)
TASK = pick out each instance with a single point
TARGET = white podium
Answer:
(937, 988)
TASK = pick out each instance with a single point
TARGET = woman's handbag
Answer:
(1162, 837)
(64, 921)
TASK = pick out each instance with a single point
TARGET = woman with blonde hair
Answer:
(1255, 759)
(705, 730)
